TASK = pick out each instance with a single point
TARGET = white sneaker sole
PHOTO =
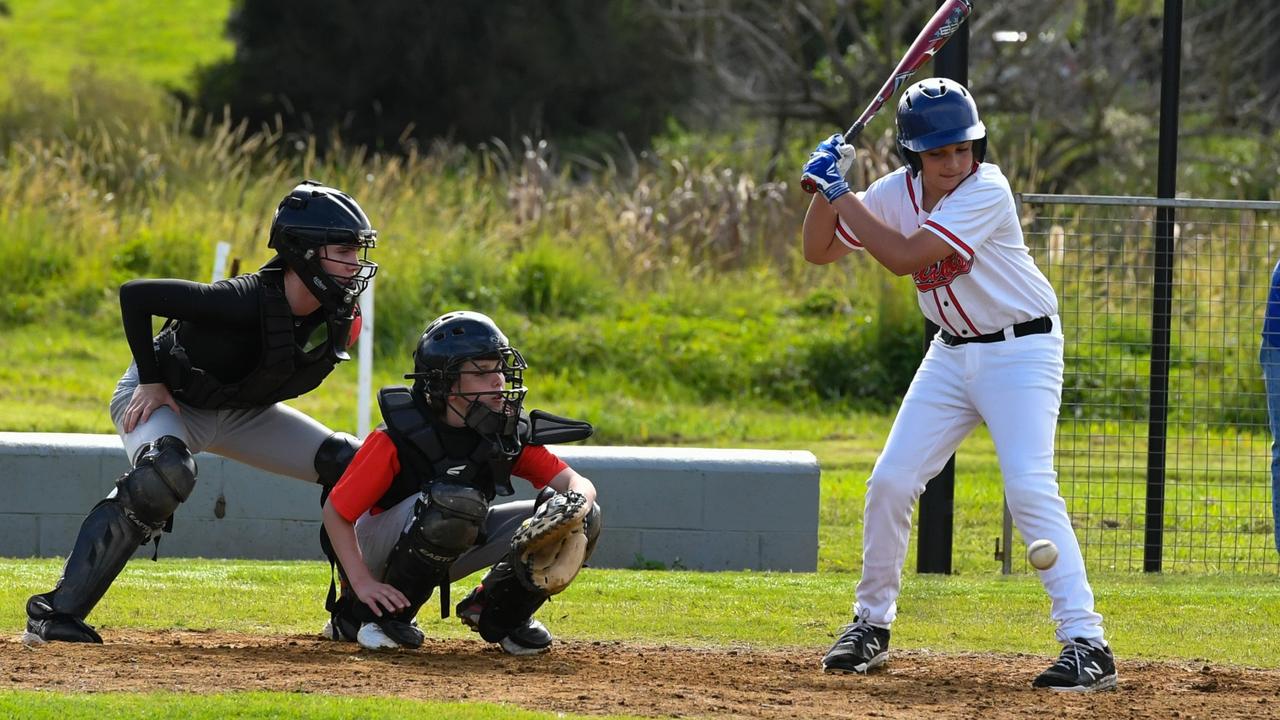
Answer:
(371, 637)
(1108, 683)
(863, 669)
(511, 647)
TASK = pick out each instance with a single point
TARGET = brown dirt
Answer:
(610, 677)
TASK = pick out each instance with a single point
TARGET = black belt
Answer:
(1030, 327)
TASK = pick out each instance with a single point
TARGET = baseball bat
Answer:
(935, 34)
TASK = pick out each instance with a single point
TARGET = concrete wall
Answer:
(679, 507)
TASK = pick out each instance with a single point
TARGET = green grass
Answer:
(157, 42)
(110, 706)
(1146, 617)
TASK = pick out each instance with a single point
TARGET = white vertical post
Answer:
(220, 261)
(364, 357)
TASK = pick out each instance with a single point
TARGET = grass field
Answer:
(156, 43)
(1147, 617)
(121, 706)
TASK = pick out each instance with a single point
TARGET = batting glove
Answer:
(827, 166)
(837, 146)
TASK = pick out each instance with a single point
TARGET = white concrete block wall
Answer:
(699, 509)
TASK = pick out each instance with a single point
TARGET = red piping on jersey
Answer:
(968, 250)
(847, 236)
(942, 314)
(956, 302)
(911, 192)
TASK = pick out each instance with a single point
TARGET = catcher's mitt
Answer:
(550, 547)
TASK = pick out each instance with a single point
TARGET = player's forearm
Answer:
(342, 535)
(819, 233)
(886, 245)
(568, 479)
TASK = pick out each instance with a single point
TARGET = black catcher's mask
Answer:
(470, 343)
(311, 217)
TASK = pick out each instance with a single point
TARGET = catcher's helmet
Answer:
(446, 346)
(310, 217)
(937, 112)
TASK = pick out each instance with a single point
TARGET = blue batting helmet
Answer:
(937, 112)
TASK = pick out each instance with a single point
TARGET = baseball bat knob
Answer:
(809, 186)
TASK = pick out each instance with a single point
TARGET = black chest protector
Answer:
(284, 369)
(424, 459)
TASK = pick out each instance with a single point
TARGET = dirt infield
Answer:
(609, 677)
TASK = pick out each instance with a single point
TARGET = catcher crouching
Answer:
(414, 509)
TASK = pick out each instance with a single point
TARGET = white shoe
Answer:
(371, 637)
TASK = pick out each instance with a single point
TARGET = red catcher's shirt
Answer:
(376, 464)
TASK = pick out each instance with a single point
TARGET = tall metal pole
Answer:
(1162, 305)
(937, 504)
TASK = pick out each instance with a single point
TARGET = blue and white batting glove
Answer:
(827, 166)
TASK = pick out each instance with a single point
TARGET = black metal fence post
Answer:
(1162, 305)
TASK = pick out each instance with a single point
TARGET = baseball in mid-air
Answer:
(1042, 554)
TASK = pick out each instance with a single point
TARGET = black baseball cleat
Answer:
(58, 628)
(1083, 666)
(338, 631)
(529, 638)
(44, 625)
(860, 647)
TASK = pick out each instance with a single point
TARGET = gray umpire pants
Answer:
(275, 438)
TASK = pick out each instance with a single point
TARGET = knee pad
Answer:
(445, 524)
(161, 481)
(333, 457)
(449, 522)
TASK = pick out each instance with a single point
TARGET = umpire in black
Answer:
(214, 379)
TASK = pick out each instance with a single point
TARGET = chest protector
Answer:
(424, 459)
(284, 370)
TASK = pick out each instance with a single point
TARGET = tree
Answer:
(1075, 102)
(579, 70)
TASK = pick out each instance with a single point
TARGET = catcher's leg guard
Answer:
(109, 535)
(501, 604)
(443, 527)
(501, 609)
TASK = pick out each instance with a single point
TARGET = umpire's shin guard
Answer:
(107, 539)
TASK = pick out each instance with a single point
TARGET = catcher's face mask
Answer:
(488, 394)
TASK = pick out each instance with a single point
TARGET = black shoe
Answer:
(528, 638)
(1082, 667)
(405, 634)
(861, 647)
(58, 628)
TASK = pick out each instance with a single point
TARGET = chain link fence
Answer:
(1163, 448)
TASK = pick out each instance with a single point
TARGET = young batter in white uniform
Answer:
(949, 220)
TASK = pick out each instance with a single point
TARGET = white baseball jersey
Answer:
(990, 282)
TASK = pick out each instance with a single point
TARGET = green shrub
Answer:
(555, 281)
